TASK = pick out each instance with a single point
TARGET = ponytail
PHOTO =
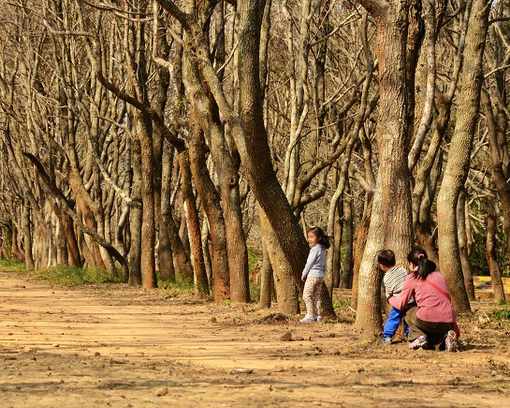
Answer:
(424, 266)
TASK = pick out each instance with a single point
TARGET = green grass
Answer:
(72, 276)
(176, 288)
(500, 314)
(340, 304)
(61, 275)
(12, 265)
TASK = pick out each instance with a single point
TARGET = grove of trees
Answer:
(175, 138)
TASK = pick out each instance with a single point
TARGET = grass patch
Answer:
(177, 287)
(12, 265)
(501, 314)
(339, 304)
(72, 276)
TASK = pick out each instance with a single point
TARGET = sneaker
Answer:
(450, 341)
(307, 319)
(420, 341)
(386, 340)
(319, 319)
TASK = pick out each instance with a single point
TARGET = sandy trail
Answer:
(123, 347)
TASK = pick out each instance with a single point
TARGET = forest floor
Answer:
(112, 345)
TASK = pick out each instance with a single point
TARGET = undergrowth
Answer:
(12, 265)
(72, 276)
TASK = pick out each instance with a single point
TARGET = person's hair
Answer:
(386, 258)
(418, 257)
(319, 233)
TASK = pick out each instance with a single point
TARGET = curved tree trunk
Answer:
(460, 152)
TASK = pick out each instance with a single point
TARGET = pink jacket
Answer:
(433, 306)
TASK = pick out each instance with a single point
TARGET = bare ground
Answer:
(112, 345)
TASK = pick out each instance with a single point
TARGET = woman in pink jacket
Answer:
(431, 323)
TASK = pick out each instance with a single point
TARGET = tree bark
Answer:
(463, 245)
(266, 278)
(490, 254)
(27, 238)
(459, 154)
(390, 223)
(211, 203)
(347, 267)
(197, 257)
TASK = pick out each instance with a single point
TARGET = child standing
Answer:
(393, 281)
(313, 274)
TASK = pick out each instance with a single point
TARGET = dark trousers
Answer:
(435, 332)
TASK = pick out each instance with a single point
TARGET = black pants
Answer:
(435, 332)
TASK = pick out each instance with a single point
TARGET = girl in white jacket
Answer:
(313, 274)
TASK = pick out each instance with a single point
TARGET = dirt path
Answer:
(123, 347)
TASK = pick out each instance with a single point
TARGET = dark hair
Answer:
(319, 233)
(386, 258)
(418, 257)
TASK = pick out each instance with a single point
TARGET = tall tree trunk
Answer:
(166, 258)
(197, 257)
(135, 216)
(497, 128)
(359, 249)
(148, 265)
(490, 254)
(27, 237)
(336, 247)
(266, 278)
(211, 203)
(460, 152)
(15, 245)
(208, 117)
(288, 251)
(463, 245)
(390, 223)
(347, 267)
(73, 252)
(163, 161)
